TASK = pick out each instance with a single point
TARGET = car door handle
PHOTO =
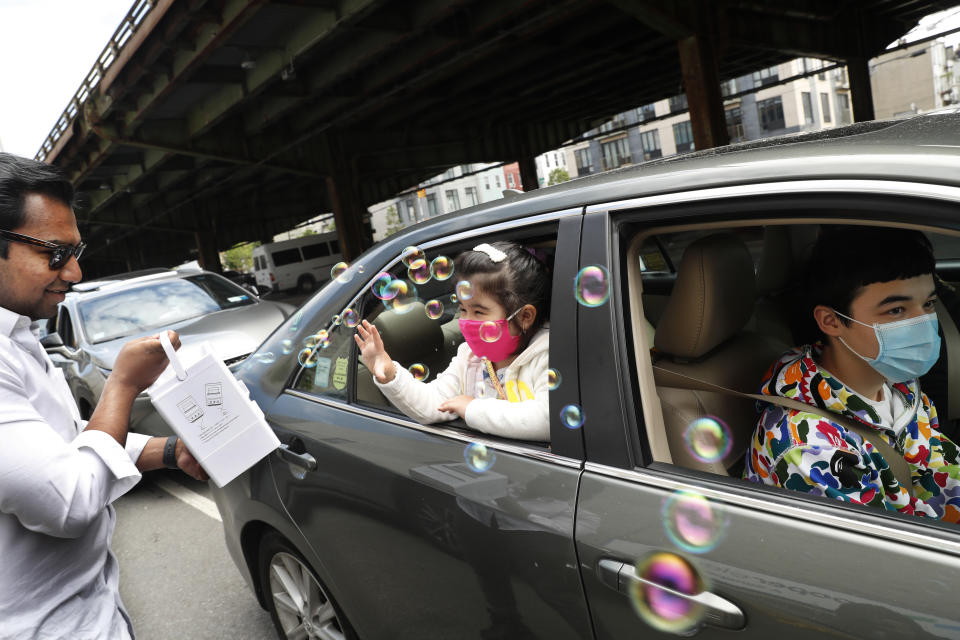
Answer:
(717, 611)
(302, 460)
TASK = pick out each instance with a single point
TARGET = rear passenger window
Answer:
(324, 358)
(287, 256)
(318, 250)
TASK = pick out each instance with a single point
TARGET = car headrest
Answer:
(784, 250)
(712, 298)
(411, 336)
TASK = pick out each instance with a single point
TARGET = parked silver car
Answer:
(99, 316)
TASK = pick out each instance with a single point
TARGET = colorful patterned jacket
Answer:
(806, 452)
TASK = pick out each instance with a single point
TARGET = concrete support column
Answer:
(207, 254)
(528, 172)
(698, 63)
(861, 94)
(344, 194)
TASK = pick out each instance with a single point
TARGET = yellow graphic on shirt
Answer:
(518, 391)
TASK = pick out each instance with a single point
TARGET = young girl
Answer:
(497, 383)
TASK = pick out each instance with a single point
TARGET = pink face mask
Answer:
(490, 339)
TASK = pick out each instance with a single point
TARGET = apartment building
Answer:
(914, 80)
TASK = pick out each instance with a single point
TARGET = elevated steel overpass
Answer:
(209, 122)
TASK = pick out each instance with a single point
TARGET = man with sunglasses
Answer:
(59, 474)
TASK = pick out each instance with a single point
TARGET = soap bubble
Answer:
(464, 290)
(311, 341)
(335, 321)
(286, 346)
(265, 358)
(692, 522)
(592, 287)
(360, 268)
(341, 272)
(572, 416)
(410, 254)
(419, 271)
(479, 457)
(350, 317)
(665, 608)
(419, 371)
(553, 379)
(441, 268)
(402, 295)
(307, 357)
(490, 331)
(434, 309)
(380, 284)
(323, 338)
(453, 298)
(708, 439)
(297, 317)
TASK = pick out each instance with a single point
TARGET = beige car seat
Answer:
(785, 249)
(701, 335)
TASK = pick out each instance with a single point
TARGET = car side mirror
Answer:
(252, 288)
(53, 343)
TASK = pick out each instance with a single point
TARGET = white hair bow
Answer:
(492, 252)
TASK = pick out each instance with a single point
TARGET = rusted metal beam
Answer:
(702, 82)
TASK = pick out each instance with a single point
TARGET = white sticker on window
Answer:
(321, 375)
(237, 298)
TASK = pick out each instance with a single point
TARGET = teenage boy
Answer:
(872, 298)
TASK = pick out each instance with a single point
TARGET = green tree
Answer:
(557, 176)
(394, 223)
(239, 257)
(308, 232)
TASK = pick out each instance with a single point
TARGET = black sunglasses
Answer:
(59, 254)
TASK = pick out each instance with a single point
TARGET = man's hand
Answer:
(141, 361)
(188, 464)
(457, 405)
(375, 357)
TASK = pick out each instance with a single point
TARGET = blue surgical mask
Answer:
(908, 348)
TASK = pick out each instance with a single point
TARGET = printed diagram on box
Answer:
(190, 409)
(214, 394)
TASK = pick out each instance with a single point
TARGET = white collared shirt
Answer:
(58, 577)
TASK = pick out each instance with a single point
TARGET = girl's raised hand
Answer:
(374, 356)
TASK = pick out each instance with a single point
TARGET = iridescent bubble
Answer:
(453, 298)
(490, 331)
(297, 317)
(419, 371)
(464, 290)
(412, 253)
(434, 309)
(341, 272)
(479, 457)
(335, 321)
(307, 358)
(692, 522)
(659, 600)
(572, 416)
(286, 346)
(379, 285)
(323, 338)
(311, 341)
(441, 268)
(419, 271)
(265, 358)
(708, 439)
(350, 317)
(592, 287)
(360, 268)
(402, 296)
(553, 379)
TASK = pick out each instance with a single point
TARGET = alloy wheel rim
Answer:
(304, 610)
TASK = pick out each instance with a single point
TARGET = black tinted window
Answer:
(287, 256)
(318, 250)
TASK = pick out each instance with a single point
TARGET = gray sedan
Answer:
(98, 317)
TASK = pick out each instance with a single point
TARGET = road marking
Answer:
(195, 500)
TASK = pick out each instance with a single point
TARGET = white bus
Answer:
(302, 263)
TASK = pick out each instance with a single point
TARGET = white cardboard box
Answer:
(212, 413)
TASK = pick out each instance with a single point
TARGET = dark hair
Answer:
(520, 279)
(21, 176)
(847, 258)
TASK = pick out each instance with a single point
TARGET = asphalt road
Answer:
(177, 579)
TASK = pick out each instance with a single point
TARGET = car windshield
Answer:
(158, 304)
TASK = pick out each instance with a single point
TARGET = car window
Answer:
(65, 329)
(285, 257)
(157, 304)
(324, 355)
(316, 250)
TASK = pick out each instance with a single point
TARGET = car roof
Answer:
(109, 284)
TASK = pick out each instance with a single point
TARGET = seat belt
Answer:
(898, 465)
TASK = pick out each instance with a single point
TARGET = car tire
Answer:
(306, 284)
(300, 606)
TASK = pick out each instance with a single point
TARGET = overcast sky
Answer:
(48, 46)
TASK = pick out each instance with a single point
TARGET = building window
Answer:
(471, 193)
(432, 205)
(646, 112)
(650, 140)
(556, 160)
(728, 87)
(496, 180)
(678, 103)
(411, 211)
(770, 112)
(450, 173)
(825, 105)
(510, 180)
(615, 153)
(843, 108)
(584, 162)
(807, 107)
(683, 136)
(734, 117)
(765, 77)
(486, 182)
(453, 200)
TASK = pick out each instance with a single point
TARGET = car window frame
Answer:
(933, 209)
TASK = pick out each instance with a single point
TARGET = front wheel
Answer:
(306, 284)
(299, 605)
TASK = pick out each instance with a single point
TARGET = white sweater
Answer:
(525, 415)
